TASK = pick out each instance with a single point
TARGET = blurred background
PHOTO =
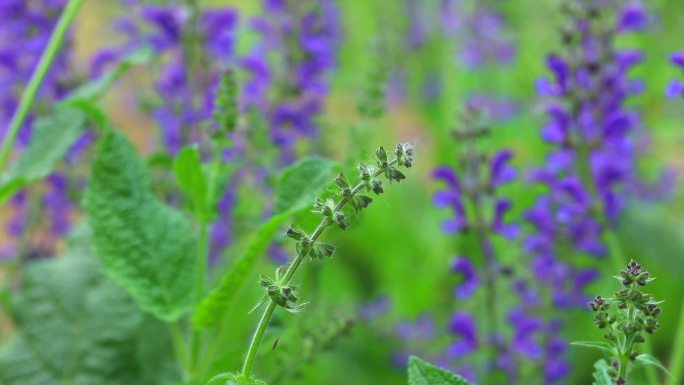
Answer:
(389, 290)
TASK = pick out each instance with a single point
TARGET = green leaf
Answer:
(603, 346)
(296, 189)
(602, 373)
(73, 326)
(146, 246)
(302, 182)
(96, 88)
(423, 373)
(212, 308)
(52, 137)
(649, 360)
(193, 182)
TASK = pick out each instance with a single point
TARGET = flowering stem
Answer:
(292, 268)
(677, 360)
(46, 60)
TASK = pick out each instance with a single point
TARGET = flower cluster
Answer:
(593, 163)
(288, 68)
(472, 194)
(196, 46)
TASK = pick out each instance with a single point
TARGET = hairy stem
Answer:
(292, 268)
(46, 60)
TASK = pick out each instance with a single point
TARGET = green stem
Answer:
(200, 285)
(201, 263)
(266, 316)
(179, 347)
(677, 359)
(46, 59)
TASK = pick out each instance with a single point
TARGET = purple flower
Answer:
(470, 281)
(423, 328)
(451, 198)
(525, 328)
(500, 170)
(633, 17)
(463, 326)
(376, 308)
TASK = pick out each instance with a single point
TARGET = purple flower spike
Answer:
(463, 325)
(470, 281)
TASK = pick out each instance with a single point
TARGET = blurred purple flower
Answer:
(470, 281)
(463, 326)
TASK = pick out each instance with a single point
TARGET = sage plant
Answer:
(627, 319)
(591, 171)
(334, 213)
(499, 333)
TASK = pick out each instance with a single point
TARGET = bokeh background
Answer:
(391, 272)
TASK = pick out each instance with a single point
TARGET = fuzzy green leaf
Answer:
(52, 137)
(302, 182)
(602, 373)
(145, 245)
(193, 182)
(73, 326)
(423, 373)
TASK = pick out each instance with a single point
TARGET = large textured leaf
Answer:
(52, 137)
(300, 183)
(73, 327)
(423, 373)
(296, 189)
(145, 245)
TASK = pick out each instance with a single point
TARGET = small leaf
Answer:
(193, 182)
(302, 182)
(146, 246)
(649, 360)
(603, 346)
(52, 137)
(602, 373)
(423, 373)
